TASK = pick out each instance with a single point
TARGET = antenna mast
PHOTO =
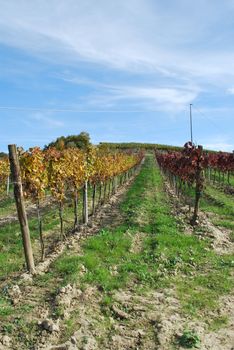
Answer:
(191, 123)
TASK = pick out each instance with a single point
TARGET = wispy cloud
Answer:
(230, 91)
(219, 146)
(156, 97)
(219, 143)
(143, 98)
(140, 35)
(44, 120)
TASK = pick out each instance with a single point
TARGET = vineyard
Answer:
(115, 248)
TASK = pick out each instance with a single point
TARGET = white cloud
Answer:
(141, 99)
(172, 98)
(46, 121)
(220, 146)
(230, 91)
(219, 143)
(135, 35)
(168, 97)
(164, 99)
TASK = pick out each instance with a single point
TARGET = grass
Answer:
(223, 203)
(6, 308)
(201, 275)
(14, 322)
(215, 177)
(11, 249)
(215, 201)
(7, 206)
(222, 206)
(218, 322)
(200, 293)
(70, 325)
(112, 248)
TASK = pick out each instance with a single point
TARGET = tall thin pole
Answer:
(191, 123)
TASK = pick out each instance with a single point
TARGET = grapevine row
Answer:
(4, 175)
(220, 164)
(70, 172)
(189, 167)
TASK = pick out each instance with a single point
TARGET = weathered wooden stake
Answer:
(100, 195)
(199, 188)
(8, 185)
(93, 199)
(40, 231)
(19, 200)
(114, 185)
(62, 234)
(85, 203)
(105, 188)
(109, 189)
(76, 219)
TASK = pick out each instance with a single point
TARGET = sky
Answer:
(122, 71)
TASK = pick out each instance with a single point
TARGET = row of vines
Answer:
(4, 175)
(186, 170)
(79, 174)
(220, 167)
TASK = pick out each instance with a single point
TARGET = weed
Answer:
(189, 339)
(218, 322)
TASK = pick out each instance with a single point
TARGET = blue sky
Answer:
(123, 70)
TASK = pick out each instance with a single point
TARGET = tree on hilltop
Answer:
(81, 141)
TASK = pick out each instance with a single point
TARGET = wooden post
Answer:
(40, 231)
(85, 203)
(199, 187)
(76, 220)
(100, 195)
(105, 187)
(93, 199)
(19, 200)
(114, 185)
(109, 189)
(62, 234)
(8, 185)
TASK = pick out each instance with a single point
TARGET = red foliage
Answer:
(183, 164)
(221, 161)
